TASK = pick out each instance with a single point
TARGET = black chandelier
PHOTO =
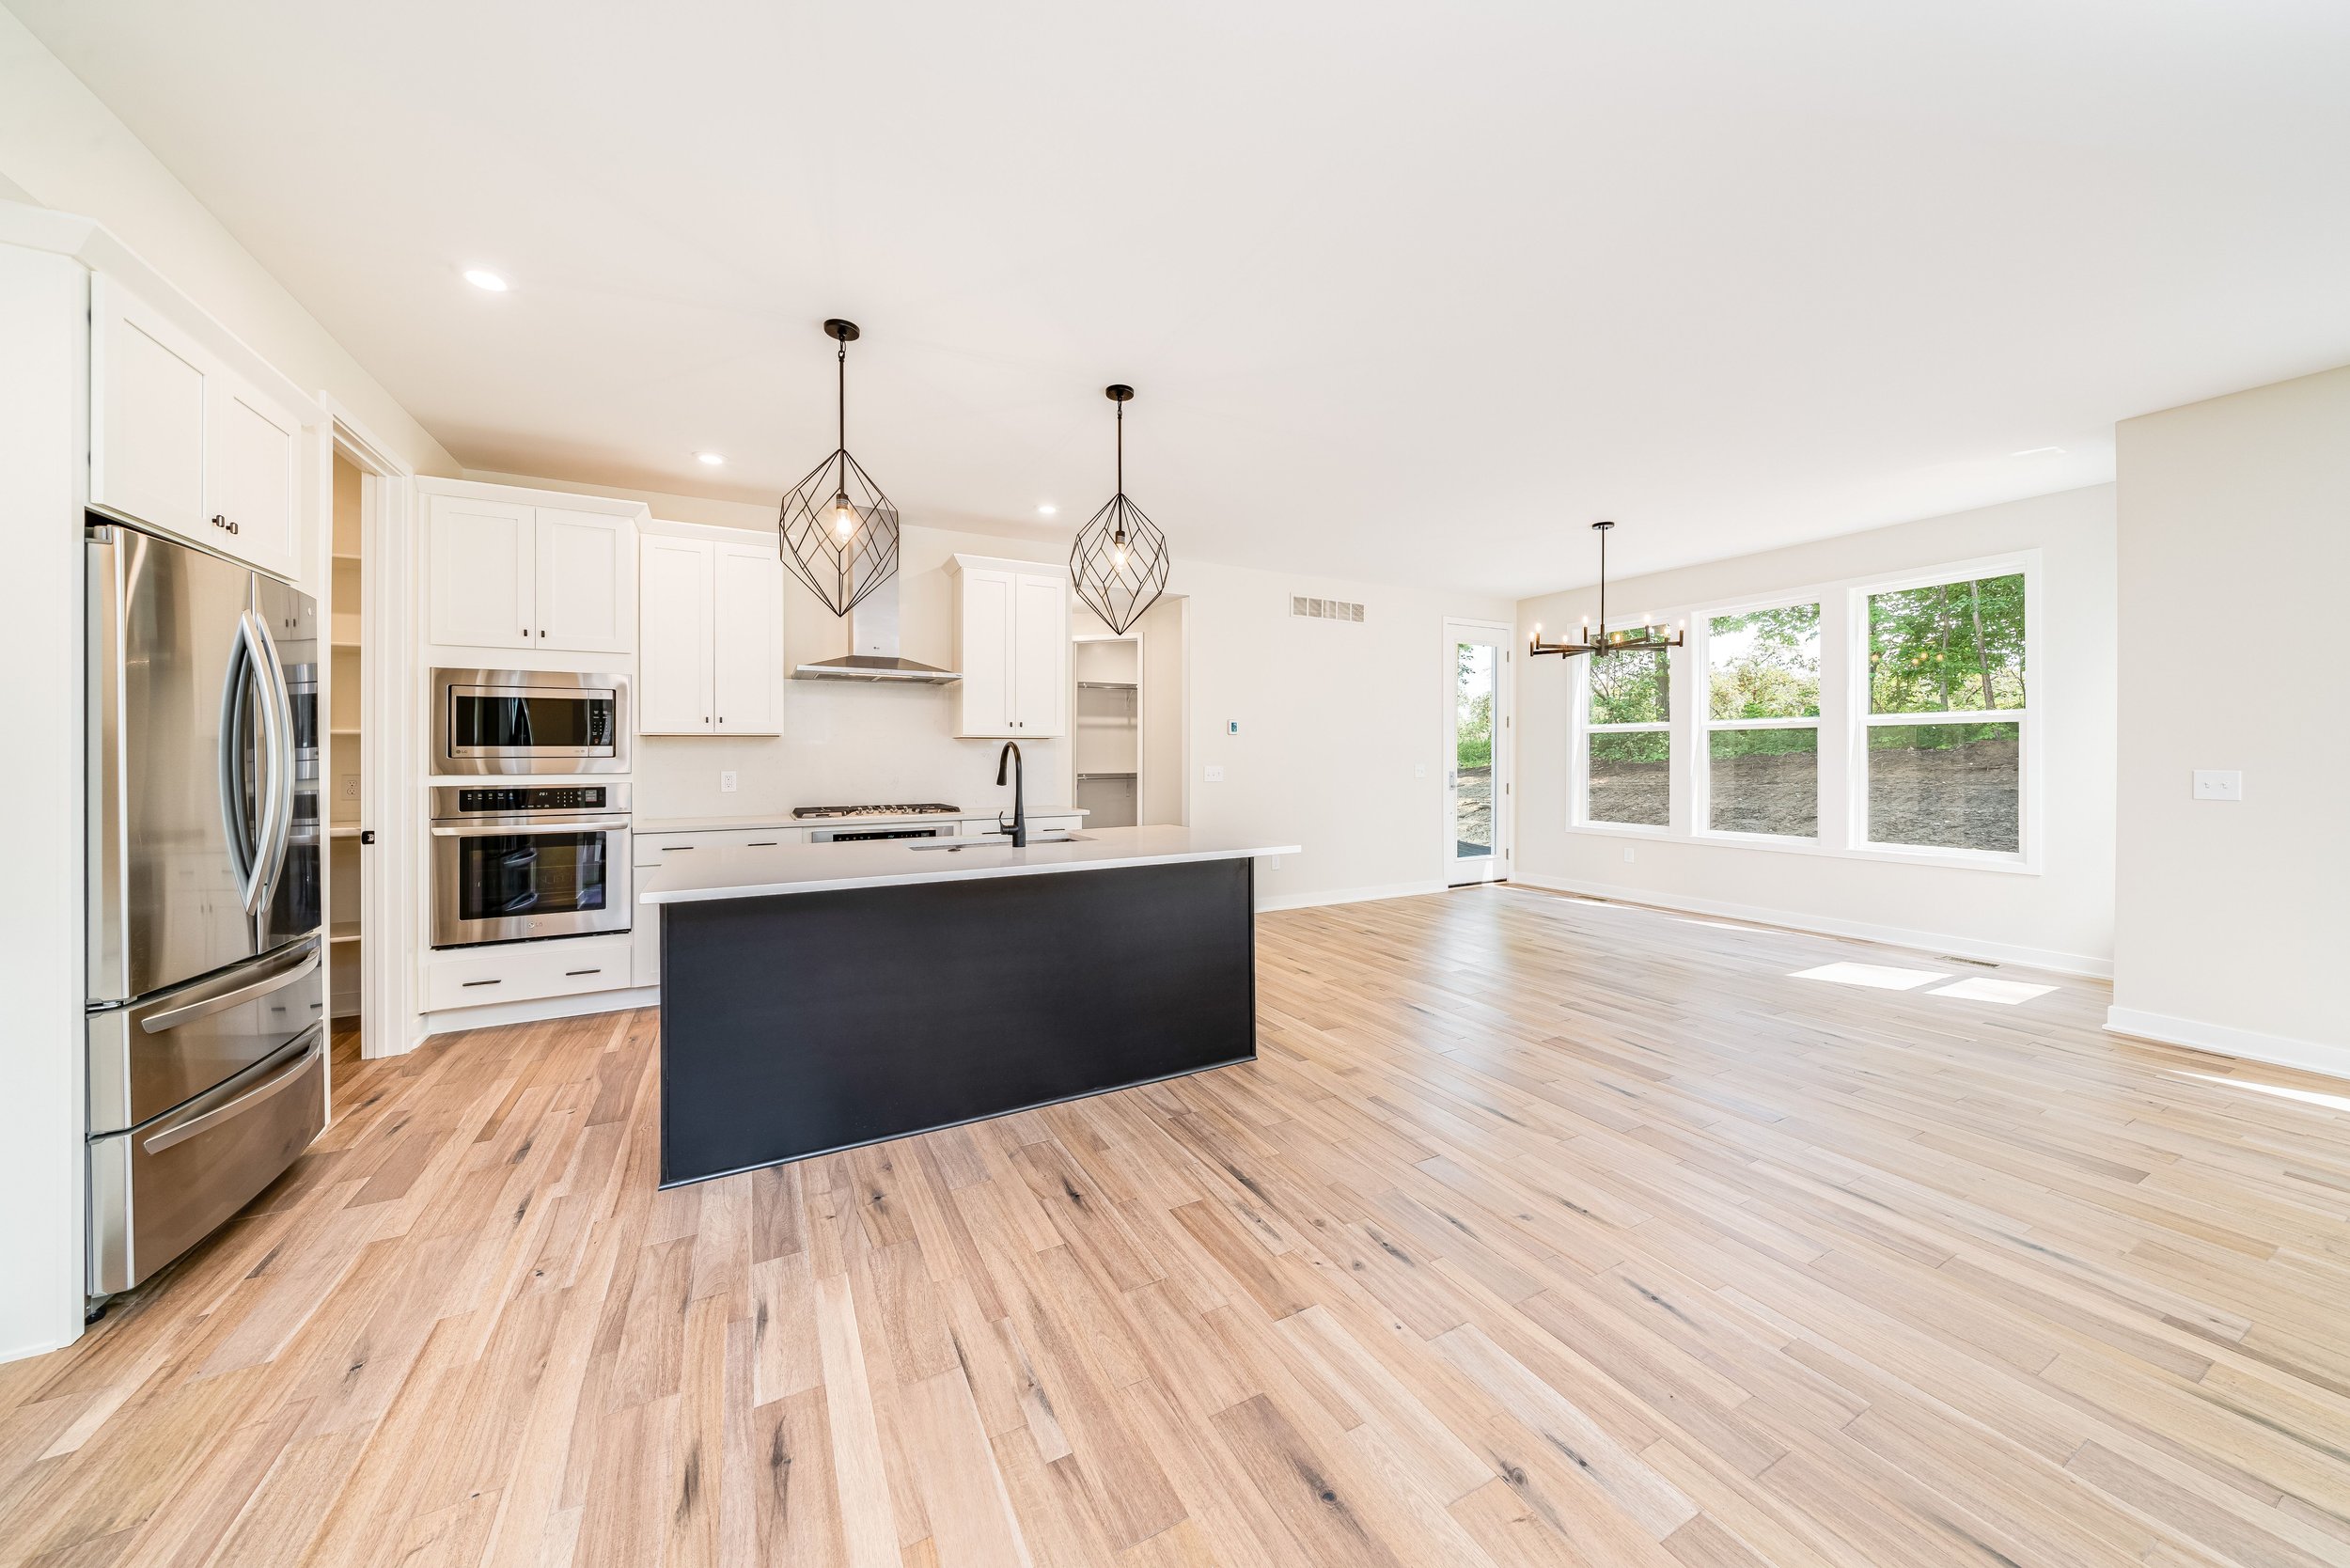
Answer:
(1624, 639)
(1119, 560)
(837, 532)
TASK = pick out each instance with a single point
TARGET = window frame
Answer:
(1843, 724)
(1579, 764)
(1701, 760)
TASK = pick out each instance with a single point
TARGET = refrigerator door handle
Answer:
(159, 1023)
(283, 764)
(250, 660)
(279, 1081)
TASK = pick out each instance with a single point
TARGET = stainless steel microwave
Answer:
(528, 721)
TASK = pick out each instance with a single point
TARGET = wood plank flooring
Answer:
(1545, 1232)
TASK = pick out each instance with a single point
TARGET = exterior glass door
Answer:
(1477, 762)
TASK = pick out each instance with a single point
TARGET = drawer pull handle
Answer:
(760, 843)
(569, 973)
(675, 849)
(470, 984)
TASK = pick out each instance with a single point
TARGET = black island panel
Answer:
(796, 1023)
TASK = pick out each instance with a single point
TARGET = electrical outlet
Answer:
(2218, 784)
(1272, 862)
(1627, 854)
(1420, 770)
(351, 786)
(1215, 773)
(726, 782)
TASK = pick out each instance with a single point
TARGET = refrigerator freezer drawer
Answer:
(167, 1049)
(158, 1189)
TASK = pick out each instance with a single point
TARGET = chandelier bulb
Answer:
(843, 516)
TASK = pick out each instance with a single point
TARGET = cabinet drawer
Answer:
(525, 971)
(656, 849)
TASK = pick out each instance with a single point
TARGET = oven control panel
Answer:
(457, 802)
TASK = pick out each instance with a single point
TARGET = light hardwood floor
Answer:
(1543, 1232)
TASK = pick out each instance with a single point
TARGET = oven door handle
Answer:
(480, 830)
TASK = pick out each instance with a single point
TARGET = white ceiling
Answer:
(1408, 292)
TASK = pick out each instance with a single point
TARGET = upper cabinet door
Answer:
(675, 638)
(146, 414)
(983, 644)
(749, 641)
(481, 556)
(587, 582)
(251, 461)
(1040, 654)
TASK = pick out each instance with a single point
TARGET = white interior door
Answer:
(1476, 732)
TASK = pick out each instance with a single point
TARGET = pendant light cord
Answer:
(1121, 448)
(840, 408)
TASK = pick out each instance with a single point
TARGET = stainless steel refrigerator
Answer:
(206, 1018)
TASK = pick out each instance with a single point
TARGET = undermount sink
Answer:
(996, 841)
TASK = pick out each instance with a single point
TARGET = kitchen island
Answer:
(818, 996)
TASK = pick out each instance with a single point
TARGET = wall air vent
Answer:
(1325, 609)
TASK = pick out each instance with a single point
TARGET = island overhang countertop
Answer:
(770, 871)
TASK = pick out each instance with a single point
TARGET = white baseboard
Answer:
(1897, 936)
(1349, 894)
(2278, 1050)
(455, 1019)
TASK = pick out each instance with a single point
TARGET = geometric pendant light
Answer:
(835, 529)
(1119, 560)
(1623, 639)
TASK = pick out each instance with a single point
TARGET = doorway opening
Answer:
(1108, 736)
(1476, 732)
(344, 771)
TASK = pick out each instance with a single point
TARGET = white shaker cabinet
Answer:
(1011, 644)
(710, 655)
(510, 575)
(179, 442)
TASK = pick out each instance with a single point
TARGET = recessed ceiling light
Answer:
(713, 459)
(481, 277)
(1047, 509)
(2039, 451)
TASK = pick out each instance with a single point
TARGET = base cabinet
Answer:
(525, 971)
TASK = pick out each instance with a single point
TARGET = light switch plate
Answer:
(726, 782)
(2218, 784)
(1627, 854)
(1215, 773)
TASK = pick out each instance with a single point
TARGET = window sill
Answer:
(1957, 860)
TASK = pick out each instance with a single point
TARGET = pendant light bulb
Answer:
(1118, 549)
(843, 517)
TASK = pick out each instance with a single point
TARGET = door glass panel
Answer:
(504, 722)
(505, 875)
(1473, 749)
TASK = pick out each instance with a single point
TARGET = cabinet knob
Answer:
(543, 631)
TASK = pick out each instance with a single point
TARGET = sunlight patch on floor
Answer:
(2307, 1096)
(1981, 988)
(1877, 977)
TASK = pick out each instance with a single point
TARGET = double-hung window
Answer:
(1945, 717)
(1762, 722)
(1629, 736)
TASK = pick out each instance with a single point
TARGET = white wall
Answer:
(61, 148)
(2061, 917)
(43, 430)
(2235, 925)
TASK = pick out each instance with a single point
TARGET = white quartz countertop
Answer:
(765, 871)
(785, 819)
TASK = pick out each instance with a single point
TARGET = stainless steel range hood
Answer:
(874, 646)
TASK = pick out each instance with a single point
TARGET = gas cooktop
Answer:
(931, 810)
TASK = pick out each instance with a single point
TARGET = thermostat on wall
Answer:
(1231, 726)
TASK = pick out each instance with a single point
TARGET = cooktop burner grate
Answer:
(930, 809)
